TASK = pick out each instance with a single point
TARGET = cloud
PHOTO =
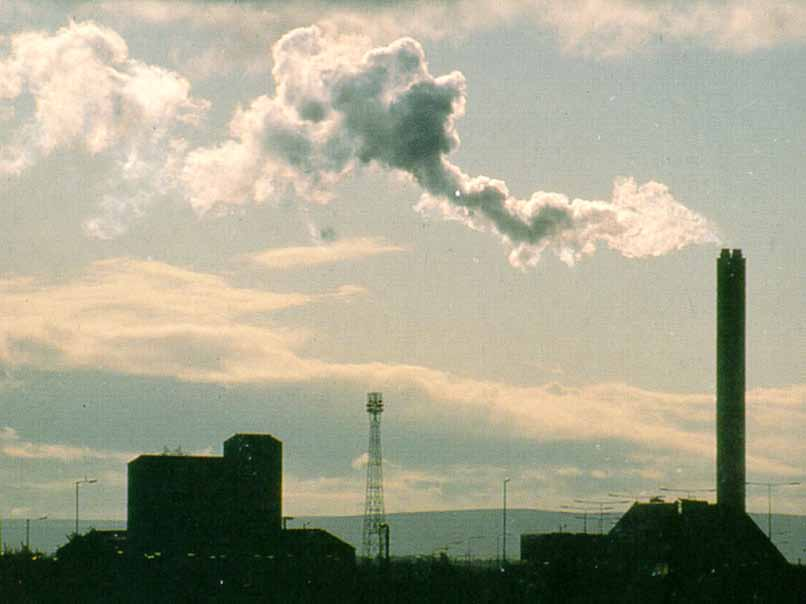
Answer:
(337, 108)
(89, 96)
(108, 478)
(339, 251)
(611, 28)
(249, 19)
(150, 318)
(412, 489)
(7, 380)
(439, 486)
(11, 445)
(338, 104)
(153, 319)
(592, 28)
(360, 462)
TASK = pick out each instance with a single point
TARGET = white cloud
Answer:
(88, 92)
(109, 479)
(594, 28)
(149, 318)
(360, 462)
(11, 445)
(608, 28)
(325, 253)
(440, 486)
(568, 471)
(405, 489)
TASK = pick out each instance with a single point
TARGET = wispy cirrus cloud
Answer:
(406, 489)
(592, 28)
(612, 28)
(13, 446)
(326, 253)
(153, 319)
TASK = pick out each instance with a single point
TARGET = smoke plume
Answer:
(89, 96)
(335, 108)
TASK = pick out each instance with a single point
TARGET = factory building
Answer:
(689, 547)
(696, 540)
(179, 503)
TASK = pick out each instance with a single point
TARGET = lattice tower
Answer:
(374, 514)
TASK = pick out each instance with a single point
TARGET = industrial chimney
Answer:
(730, 422)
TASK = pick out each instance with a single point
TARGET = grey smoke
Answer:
(335, 108)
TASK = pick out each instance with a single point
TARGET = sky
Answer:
(224, 217)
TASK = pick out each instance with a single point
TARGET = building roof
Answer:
(690, 533)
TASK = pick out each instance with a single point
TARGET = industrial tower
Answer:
(730, 385)
(374, 514)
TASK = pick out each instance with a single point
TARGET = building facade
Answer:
(192, 504)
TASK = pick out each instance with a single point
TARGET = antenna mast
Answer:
(374, 513)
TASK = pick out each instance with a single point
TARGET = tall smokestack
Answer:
(730, 431)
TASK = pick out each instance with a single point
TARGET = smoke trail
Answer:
(86, 94)
(335, 108)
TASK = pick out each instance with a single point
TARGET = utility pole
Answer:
(603, 506)
(575, 509)
(504, 534)
(770, 486)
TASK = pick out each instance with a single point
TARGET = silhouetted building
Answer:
(94, 544)
(316, 547)
(693, 538)
(691, 550)
(686, 551)
(575, 550)
(730, 381)
(180, 503)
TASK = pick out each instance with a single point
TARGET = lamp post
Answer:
(28, 531)
(504, 532)
(770, 486)
(85, 480)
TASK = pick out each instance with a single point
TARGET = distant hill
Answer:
(460, 534)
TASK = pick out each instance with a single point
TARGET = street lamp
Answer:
(504, 533)
(85, 480)
(769, 486)
(28, 531)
